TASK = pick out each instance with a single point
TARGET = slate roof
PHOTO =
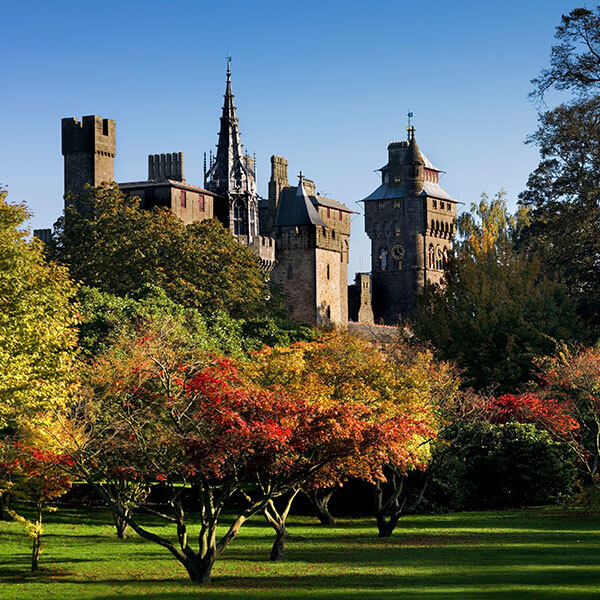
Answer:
(384, 192)
(296, 208)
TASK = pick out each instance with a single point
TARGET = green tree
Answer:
(38, 315)
(110, 244)
(564, 190)
(497, 309)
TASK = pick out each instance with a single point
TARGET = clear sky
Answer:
(325, 84)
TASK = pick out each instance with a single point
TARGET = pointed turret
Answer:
(414, 162)
(231, 171)
(297, 209)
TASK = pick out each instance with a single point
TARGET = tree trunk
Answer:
(37, 541)
(4, 504)
(320, 500)
(278, 548)
(121, 525)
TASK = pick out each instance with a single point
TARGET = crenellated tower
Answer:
(411, 221)
(89, 148)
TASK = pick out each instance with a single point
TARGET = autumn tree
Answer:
(572, 378)
(37, 476)
(498, 308)
(159, 413)
(110, 243)
(38, 315)
(403, 387)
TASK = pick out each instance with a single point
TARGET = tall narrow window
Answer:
(240, 219)
(341, 214)
(397, 230)
(439, 264)
(328, 212)
(328, 273)
(201, 203)
(183, 197)
(431, 257)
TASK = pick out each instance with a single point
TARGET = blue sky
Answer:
(326, 84)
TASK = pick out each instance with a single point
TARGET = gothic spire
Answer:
(231, 171)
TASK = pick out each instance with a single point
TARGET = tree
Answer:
(38, 314)
(572, 377)
(157, 412)
(575, 60)
(497, 309)
(402, 388)
(563, 191)
(109, 243)
(37, 476)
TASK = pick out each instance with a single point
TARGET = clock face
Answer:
(398, 252)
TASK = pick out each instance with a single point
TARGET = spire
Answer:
(413, 166)
(230, 173)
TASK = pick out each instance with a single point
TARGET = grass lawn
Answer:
(535, 553)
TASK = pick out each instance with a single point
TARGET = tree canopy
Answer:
(497, 309)
(109, 243)
(38, 317)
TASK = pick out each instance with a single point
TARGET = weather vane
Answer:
(410, 116)
(228, 58)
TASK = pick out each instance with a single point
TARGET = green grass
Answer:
(536, 553)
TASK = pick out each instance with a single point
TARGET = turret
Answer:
(414, 178)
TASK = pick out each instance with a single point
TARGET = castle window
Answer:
(377, 230)
(328, 213)
(324, 232)
(439, 263)
(431, 257)
(383, 258)
(381, 205)
(333, 234)
(388, 230)
(434, 203)
(290, 273)
(183, 197)
(201, 202)
(240, 219)
(328, 272)
(432, 225)
(396, 203)
(341, 214)
(442, 205)
(328, 313)
(448, 206)
(297, 230)
(397, 230)
(445, 257)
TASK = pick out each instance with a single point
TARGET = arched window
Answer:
(431, 257)
(445, 257)
(439, 263)
(240, 219)
(397, 230)
(432, 225)
(324, 232)
(387, 230)
(333, 234)
(290, 273)
(377, 230)
(383, 258)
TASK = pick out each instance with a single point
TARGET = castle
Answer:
(301, 238)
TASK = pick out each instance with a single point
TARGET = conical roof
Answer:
(413, 153)
(296, 208)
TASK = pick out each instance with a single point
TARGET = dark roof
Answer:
(295, 208)
(330, 203)
(385, 192)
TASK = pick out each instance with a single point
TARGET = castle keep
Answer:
(301, 238)
(410, 221)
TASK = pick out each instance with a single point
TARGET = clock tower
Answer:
(411, 221)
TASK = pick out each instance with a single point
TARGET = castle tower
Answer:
(312, 236)
(232, 176)
(411, 221)
(89, 148)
